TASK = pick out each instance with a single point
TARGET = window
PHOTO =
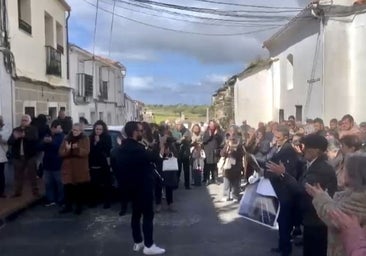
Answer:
(24, 16)
(30, 111)
(60, 37)
(298, 113)
(101, 116)
(53, 62)
(104, 90)
(85, 85)
(48, 30)
(52, 112)
(290, 72)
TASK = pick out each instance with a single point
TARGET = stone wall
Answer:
(41, 97)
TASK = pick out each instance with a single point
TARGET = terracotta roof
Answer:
(104, 60)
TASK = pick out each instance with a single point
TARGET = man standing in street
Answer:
(24, 142)
(135, 175)
(318, 171)
(286, 155)
(3, 158)
(65, 121)
(184, 153)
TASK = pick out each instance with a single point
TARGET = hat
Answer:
(315, 141)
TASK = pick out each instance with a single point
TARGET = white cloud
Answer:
(140, 83)
(136, 43)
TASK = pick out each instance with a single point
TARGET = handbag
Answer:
(221, 163)
(170, 172)
(170, 164)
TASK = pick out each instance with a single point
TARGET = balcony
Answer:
(23, 25)
(53, 61)
(84, 90)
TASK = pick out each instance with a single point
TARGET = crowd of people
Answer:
(319, 176)
(317, 172)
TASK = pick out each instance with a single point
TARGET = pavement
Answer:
(201, 226)
(10, 207)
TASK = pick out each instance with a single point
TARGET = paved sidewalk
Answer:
(9, 207)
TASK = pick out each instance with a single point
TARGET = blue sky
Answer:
(165, 67)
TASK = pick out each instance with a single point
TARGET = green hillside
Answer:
(174, 112)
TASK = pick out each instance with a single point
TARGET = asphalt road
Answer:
(202, 226)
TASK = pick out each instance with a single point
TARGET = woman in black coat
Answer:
(100, 174)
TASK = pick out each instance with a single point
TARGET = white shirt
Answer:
(4, 134)
(308, 164)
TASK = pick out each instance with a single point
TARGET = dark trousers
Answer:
(159, 191)
(20, 167)
(75, 194)
(142, 206)
(210, 169)
(184, 163)
(315, 241)
(2, 178)
(100, 186)
(285, 224)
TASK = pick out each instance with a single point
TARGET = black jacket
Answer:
(101, 151)
(30, 142)
(319, 172)
(133, 167)
(287, 155)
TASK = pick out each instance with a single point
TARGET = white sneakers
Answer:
(153, 250)
(138, 247)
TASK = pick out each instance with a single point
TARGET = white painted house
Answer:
(253, 100)
(321, 62)
(97, 87)
(37, 31)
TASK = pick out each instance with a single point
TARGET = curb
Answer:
(14, 213)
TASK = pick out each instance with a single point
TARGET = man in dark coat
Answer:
(318, 171)
(135, 175)
(286, 155)
(213, 143)
(24, 145)
(66, 122)
(184, 153)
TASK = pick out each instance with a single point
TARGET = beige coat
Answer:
(75, 165)
(348, 201)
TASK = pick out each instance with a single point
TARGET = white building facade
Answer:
(38, 40)
(253, 94)
(320, 64)
(97, 87)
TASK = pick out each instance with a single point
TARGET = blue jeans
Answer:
(54, 186)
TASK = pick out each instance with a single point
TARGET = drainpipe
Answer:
(67, 47)
(322, 29)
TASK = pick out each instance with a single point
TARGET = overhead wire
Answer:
(221, 24)
(250, 5)
(187, 15)
(225, 13)
(182, 31)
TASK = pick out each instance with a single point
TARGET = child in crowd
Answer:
(198, 162)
